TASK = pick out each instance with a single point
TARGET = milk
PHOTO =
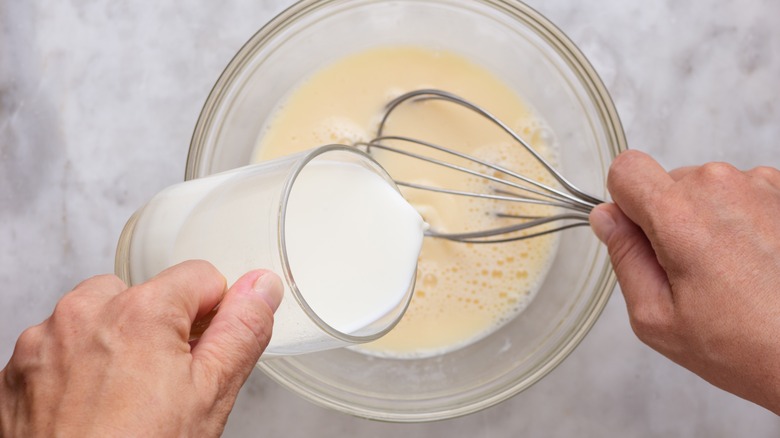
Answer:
(351, 242)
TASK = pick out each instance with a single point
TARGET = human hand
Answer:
(117, 361)
(697, 255)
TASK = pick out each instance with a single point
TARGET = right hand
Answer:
(697, 255)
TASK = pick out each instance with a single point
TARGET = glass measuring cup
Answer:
(238, 220)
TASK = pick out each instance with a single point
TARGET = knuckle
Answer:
(110, 281)
(29, 341)
(142, 313)
(85, 284)
(648, 325)
(198, 264)
(203, 274)
(718, 171)
(141, 302)
(255, 327)
(622, 164)
(765, 172)
(249, 331)
(96, 281)
(204, 268)
(265, 330)
(140, 294)
(27, 352)
(136, 306)
(71, 307)
(621, 252)
(628, 156)
(99, 287)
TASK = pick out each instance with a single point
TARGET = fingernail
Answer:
(603, 223)
(270, 288)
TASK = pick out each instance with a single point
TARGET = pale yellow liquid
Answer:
(464, 291)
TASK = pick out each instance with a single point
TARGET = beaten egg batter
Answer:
(463, 291)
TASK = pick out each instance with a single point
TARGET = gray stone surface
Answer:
(91, 90)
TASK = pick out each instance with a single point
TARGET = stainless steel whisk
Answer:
(574, 203)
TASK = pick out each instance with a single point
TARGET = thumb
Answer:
(239, 332)
(643, 281)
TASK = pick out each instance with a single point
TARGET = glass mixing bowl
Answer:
(533, 57)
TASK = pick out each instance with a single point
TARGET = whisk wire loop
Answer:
(434, 94)
(575, 203)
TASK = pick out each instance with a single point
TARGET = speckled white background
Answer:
(98, 100)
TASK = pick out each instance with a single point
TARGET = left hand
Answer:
(117, 361)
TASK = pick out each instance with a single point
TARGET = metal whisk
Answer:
(573, 204)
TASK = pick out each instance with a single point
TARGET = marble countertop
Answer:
(90, 90)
